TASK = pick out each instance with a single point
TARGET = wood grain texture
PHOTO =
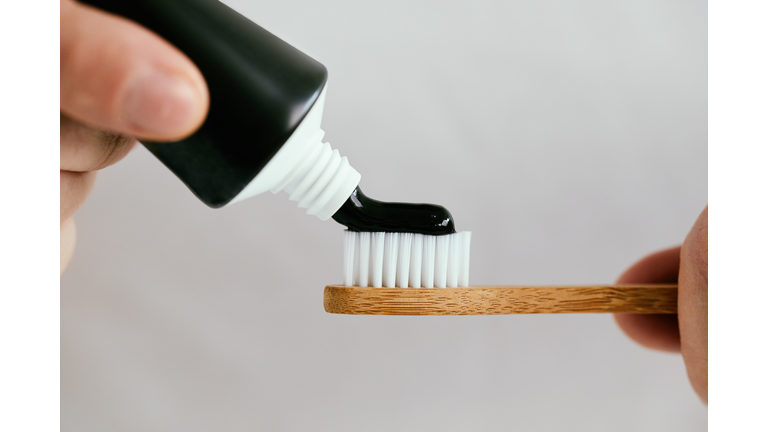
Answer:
(496, 300)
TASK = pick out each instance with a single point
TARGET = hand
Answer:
(686, 332)
(118, 81)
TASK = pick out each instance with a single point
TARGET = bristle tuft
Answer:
(417, 246)
(390, 259)
(349, 257)
(377, 259)
(363, 259)
(404, 259)
(428, 262)
(466, 237)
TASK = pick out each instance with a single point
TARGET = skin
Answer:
(685, 333)
(119, 82)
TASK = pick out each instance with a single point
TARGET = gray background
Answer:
(569, 136)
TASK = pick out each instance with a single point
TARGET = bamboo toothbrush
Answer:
(413, 274)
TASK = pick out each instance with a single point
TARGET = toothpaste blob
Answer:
(362, 214)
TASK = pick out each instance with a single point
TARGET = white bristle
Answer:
(464, 263)
(406, 260)
(355, 253)
(403, 259)
(390, 259)
(442, 247)
(363, 259)
(452, 279)
(417, 245)
(349, 258)
(377, 259)
(428, 262)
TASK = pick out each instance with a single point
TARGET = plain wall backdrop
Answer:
(569, 136)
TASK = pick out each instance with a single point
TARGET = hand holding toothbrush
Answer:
(685, 332)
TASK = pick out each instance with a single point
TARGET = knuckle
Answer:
(113, 147)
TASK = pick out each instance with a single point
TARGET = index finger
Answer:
(659, 332)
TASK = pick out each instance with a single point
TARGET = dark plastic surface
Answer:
(260, 88)
(363, 214)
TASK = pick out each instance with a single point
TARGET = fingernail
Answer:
(161, 104)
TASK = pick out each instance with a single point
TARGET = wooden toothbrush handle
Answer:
(496, 300)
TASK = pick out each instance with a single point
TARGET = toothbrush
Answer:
(497, 300)
(388, 273)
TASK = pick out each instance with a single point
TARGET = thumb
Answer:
(121, 77)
